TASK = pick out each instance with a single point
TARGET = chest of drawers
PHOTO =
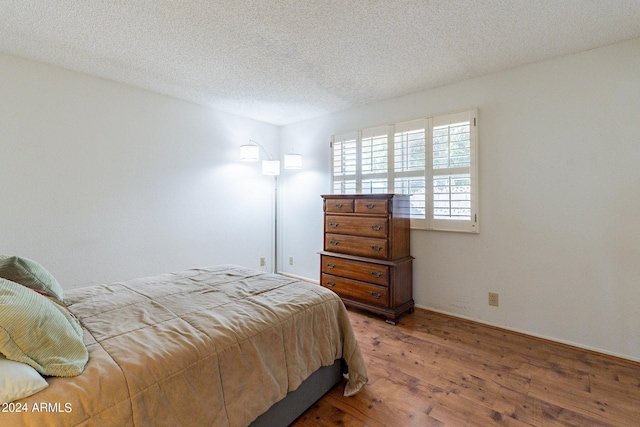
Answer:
(366, 258)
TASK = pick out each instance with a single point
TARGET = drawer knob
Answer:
(370, 205)
(376, 248)
(376, 274)
(376, 227)
(333, 224)
(333, 242)
(331, 265)
(375, 294)
(339, 205)
(331, 284)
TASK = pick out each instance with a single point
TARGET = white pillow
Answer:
(18, 380)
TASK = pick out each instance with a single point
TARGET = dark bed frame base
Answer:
(284, 412)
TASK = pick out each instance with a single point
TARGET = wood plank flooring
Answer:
(435, 370)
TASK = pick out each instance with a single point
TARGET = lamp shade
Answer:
(249, 153)
(293, 161)
(271, 167)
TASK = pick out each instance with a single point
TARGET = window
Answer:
(432, 159)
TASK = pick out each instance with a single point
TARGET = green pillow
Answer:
(31, 274)
(39, 332)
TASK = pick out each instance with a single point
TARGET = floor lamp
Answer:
(251, 153)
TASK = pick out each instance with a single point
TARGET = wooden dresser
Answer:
(366, 258)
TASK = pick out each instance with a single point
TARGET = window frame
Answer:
(430, 172)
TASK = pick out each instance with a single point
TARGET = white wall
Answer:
(560, 197)
(104, 182)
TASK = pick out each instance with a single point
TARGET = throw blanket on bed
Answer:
(205, 347)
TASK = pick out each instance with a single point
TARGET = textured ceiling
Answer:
(282, 61)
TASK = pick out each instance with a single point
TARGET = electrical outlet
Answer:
(494, 299)
(290, 260)
(263, 261)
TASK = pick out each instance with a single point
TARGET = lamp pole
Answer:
(275, 223)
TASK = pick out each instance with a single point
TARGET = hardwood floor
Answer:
(434, 370)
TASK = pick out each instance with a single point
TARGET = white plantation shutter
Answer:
(374, 145)
(345, 162)
(454, 178)
(431, 159)
(409, 162)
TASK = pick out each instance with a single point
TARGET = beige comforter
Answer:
(205, 347)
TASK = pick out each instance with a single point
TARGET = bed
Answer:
(218, 346)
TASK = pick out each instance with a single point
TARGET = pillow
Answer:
(30, 274)
(18, 380)
(37, 331)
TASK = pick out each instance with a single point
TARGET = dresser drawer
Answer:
(371, 206)
(338, 205)
(358, 270)
(354, 245)
(353, 289)
(357, 225)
